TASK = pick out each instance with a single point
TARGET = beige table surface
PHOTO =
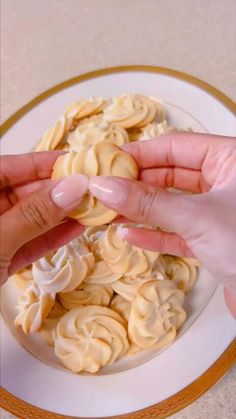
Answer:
(45, 42)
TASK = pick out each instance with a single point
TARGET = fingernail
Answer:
(111, 191)
(122, 232)
(69, 192)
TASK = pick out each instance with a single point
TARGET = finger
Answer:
(10, 196)
(49, 241)
(230, 299)
(23, 190)
(175, 177)
(144, 203)
(159, 241)
(39, 212)
(121, 220)
(25, 168)
(185, 149)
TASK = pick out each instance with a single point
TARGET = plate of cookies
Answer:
(98, 327)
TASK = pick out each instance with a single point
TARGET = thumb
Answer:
(38, 213)
(143, 203)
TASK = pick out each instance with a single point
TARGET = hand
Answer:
(33, 209)
(202, 224)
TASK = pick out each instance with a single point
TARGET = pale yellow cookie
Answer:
(86, 294)
(182, 271)
(121, 306)
(93, 236)
(49, 324)
(55, 136)
(102, 159)
(101, 273)
(65, 269)
(134, 111)
(93, 131)
(33, 307)
(127, 286)
(156, 314)
(155, 130)
(23, 277)
(89, 338)
(85, 107)
(122, 257)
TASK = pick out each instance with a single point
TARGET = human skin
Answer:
(199, 224)
(33, 209)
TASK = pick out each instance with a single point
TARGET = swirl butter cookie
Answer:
(121, 306)
(102, 159)
(89, 338)
(94, 130)
(65, 269)
(156, 314)
(55, 136)
(49, 324)
(122, 257)
(23, 277)
(154, 130)
(182, 271)
(86, 294)
(134, 111)
(33, 307)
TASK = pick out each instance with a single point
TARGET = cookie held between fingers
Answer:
(102, 159)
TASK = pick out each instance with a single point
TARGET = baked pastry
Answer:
(33, 307)
(183, 271)
(23, 277)
(101, 274)
(134, 111)
(121, 306)
(127, 286)
(86, 294)
(49, 324)
(85, 107)
(89, 338)
(154, 130)
(122, 257)
(93, 236)
(65, 269)
(156, 314)
(102, 159)
(56, 135)
(99, 298)
(93, 131)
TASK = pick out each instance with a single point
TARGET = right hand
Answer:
(202, 224)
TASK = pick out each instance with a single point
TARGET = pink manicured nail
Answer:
(111, 191)
(122, 232)
(69, 192)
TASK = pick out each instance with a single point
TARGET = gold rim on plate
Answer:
(158, 411)
(194, 390)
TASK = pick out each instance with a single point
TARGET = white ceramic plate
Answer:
(30, 371)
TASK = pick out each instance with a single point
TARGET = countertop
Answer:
(46, 42)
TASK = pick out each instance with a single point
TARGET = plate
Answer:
(32, 378)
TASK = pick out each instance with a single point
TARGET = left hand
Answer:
(33, 209)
